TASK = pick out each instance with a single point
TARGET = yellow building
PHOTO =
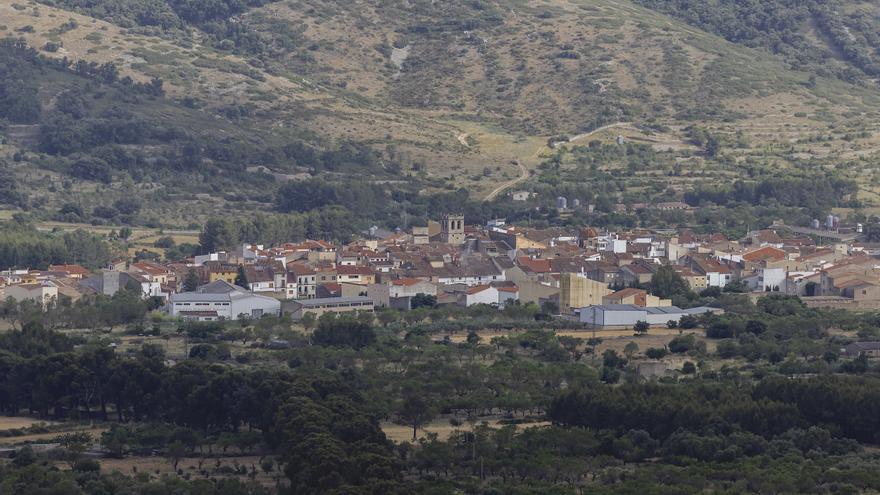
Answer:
(221, 271)
(695, 281)
(578, 291)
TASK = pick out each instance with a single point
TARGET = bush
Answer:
(343, 331)
(682, 344)
(727, 349)
(656, 353)
(87, 466)
(688, 321)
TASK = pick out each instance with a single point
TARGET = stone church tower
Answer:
(452, 229)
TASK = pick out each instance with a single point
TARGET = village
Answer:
(599, 278)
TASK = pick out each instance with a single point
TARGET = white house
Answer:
(409, 287)
(221, 300)
(507, 295)
(718, 279)
(768, 279)
(481, 294)
(302, 281)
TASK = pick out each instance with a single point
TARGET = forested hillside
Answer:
(825, 37)
(119, 112)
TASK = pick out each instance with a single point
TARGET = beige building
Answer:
(637, 297)
(43, 293)
(578, 291)
(421, 235)
(361, 275)
(695, 281)
(536, 292)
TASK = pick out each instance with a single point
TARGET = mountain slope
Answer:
(447, 94)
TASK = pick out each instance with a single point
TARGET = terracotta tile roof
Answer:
(71, 269)
(477, 289)
(766, 253)
(638, 269)
(300, 269)
(534, 265)
(150, 268)
(629, 291)
(354, 270)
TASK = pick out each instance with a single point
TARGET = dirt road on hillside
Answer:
(524, 172)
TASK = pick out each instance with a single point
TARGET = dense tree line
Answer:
(22, 246)
(328, 223)
(319, 414)
(342, 446)
(815, 194)
(844, 405)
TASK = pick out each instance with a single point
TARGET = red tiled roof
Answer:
(300, 269)
(533, 265)
(150, 268)
(353, 270)
(629, 291)
(477, 289)
(768, 253)
(71, 269)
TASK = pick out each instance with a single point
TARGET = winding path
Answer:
(594, 131)
(524, 172)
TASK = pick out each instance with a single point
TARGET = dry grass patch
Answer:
(443, 429)
(95, 432)
(18, 422)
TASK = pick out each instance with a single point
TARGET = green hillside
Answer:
(214, 107)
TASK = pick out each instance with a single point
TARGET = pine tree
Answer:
(241, 279)
(191, 281)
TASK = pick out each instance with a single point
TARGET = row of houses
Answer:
(454, 263)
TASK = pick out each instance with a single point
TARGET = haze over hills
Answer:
(440, 95)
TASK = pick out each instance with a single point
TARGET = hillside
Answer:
(427, 97)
